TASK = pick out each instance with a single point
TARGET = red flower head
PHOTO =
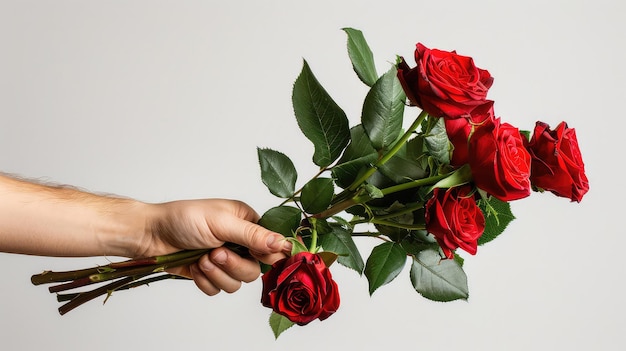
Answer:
(300, 288)
(459, 130)
(499, 161)
(455, 219)
(557, 164)
(443, 83)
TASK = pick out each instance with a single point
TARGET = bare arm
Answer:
(46, 220)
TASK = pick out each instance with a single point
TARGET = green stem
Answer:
(88, 296)
(399, 225)
(134, 284)
(57, 277)
(336, 208)
(386, 157)
(404, 210)
(413, 184)
(313, 248)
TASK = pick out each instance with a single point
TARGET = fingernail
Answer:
(287, 245)
(207, 265)
(275, 242)
(220, 257)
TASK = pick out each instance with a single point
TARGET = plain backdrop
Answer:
(166, 100)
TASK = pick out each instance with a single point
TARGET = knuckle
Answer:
(254, 236)
(252, 277)
(233, 288)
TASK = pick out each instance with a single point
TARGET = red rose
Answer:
(300, 288)
(459, 130)
(443, 83)
(557, 164)
(455, 219)
(499, 161)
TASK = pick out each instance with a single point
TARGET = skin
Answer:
(45, 220)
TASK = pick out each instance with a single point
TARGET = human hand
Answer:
(209, 223)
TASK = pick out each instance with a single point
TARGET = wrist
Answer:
(129, 233)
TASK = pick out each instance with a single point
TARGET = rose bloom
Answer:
(499, 161)
(443, 83)
(455, 219)
(300, 288)
(557, 164)
(459, 130)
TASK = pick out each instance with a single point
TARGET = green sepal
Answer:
(319, 117)
(297, 246)
(328, 257)
(277, 172)
(460, 176)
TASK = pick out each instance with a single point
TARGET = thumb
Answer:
(253, 236)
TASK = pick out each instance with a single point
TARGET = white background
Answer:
(165, 100)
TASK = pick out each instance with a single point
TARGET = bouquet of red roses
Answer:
(443, 183)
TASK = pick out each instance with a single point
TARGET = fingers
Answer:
(251, 235)
(223, 270)
(269, 258)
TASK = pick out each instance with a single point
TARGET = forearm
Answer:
(57, 221)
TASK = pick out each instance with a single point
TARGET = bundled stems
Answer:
(124, 275)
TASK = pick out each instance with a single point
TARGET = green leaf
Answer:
(437, 142)
(279, 324)
(360, 145)
(383, 110)
(277, 172)
(317, 194)
(340, 241)
(347, 172)
(437, 279)
(402, 170)
(498, 215)
(361, 56)
(384, 264)
(357, 155)
(282, 219)
(321, 120)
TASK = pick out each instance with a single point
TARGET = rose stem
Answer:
(90, 295)
(134, 284)
(55, 277)
(396, 147)
(127, 278)
(414, 184)
(142, 270)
